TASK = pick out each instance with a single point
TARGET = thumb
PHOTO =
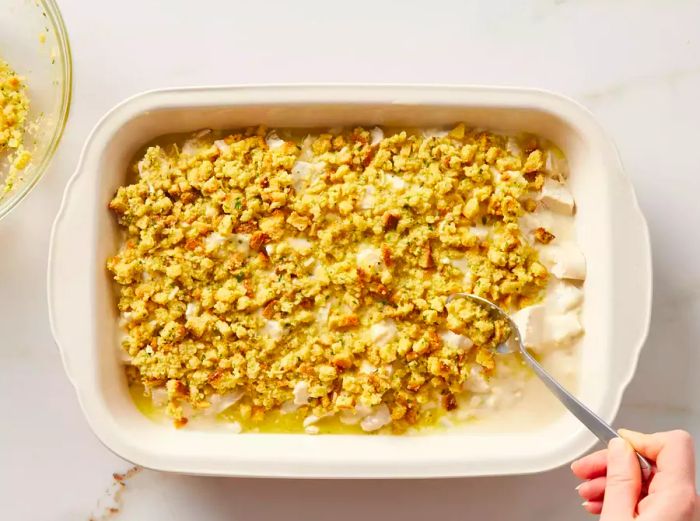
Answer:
(623, 482)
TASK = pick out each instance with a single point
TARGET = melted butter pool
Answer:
(274, 422)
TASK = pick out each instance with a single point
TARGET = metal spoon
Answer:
(591, 420)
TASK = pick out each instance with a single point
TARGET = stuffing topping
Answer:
(14, 107)
(311, 274)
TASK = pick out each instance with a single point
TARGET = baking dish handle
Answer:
(68, 282)
(633, 281)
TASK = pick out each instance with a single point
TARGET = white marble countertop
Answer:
(635, 65)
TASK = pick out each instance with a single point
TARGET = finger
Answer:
(591, 466)
(623, 481)
(593, 507)
(592, 490)
(677, 504)
(672, 451)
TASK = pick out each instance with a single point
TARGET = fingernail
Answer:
(617, 444)
(584, 504)
(578, 487)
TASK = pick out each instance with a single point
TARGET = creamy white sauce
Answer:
(369, 258)
(125, 318)
(563, 295)
(306, 152)
(395, 182)
(222, 145)
(476, 382)
(301, 245)
(378, 418)
(513, 148)
(556, 165)
(564, 262)
(555, 321)
(479, 231)
(556, 197)
(507, 401)
(434, 132)
(552, 328)
(273, 141)
(191, 147)
(462, 265)
(301, 393)
(376, 134)
(367, 368)
(305, 173)
(382, 332)
(272, 329)
(242, 241)
(453, 339)
(159, 396)
(220, 403)
(368, 199)
(355, 416)
(309, 426)
(234, 427)
(322, 314)
(213, 241)
(301, 398)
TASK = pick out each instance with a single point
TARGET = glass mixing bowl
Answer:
(34, 42)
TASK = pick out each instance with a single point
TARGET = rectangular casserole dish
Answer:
(610, 228)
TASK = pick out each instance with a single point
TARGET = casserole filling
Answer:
(284, 281)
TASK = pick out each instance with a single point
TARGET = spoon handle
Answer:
(590, 419)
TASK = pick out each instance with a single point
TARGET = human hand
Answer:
(613, 484)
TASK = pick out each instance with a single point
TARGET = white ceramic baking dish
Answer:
(610, 229)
